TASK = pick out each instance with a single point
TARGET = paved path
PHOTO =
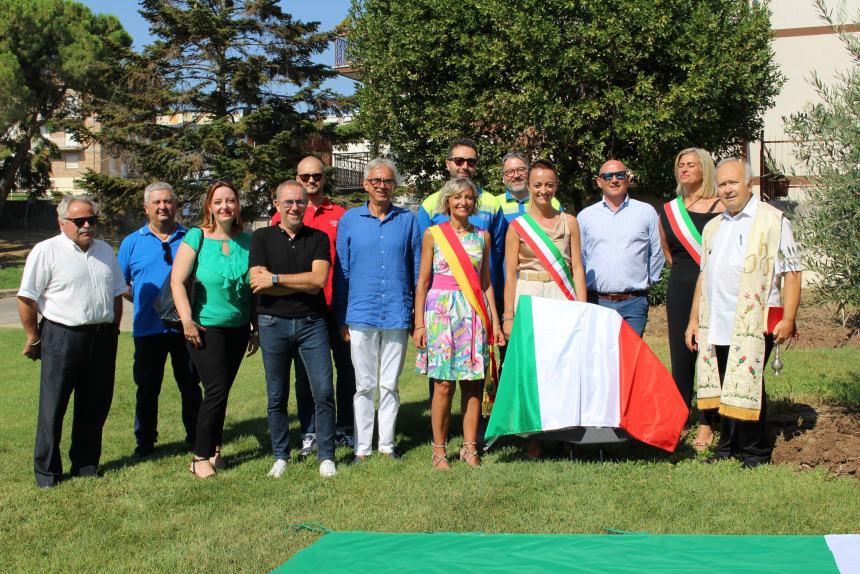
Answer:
(9, 314)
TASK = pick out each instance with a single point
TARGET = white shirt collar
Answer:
(748, 210)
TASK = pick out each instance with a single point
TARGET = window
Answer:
(72, 159)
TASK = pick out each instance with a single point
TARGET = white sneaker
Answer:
(278, 468)
(327, 468)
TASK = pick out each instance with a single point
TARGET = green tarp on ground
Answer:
(359, 552)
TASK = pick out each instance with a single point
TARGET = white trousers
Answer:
(377, 356)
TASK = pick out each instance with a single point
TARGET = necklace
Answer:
(162, 236)
(461, 230)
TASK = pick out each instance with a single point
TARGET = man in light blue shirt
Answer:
(146, 259)
(621, 249)
(378, 256)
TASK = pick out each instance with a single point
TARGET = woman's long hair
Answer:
(709, 183)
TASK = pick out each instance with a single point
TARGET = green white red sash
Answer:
(682, 226)
(546, 252)
(470, 284)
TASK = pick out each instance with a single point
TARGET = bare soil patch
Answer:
(819, 437)
(817, 328)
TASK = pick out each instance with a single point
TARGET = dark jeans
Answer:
(217, 362)
(634, 311)
(281, 341)
(83, 361)
(746, 440)
(150, 353)
(344, 390)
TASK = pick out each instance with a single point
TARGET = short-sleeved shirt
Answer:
(224, 291)
(274, 249)
(145, 263)
(71, 286)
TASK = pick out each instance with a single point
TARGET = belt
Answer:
(617, 297)
(91, 328)
(541, 276)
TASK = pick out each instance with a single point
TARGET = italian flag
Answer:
(574, 364)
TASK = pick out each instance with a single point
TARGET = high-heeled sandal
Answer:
(193, 468)
(469, 456)
(217, 461)
(440, 462)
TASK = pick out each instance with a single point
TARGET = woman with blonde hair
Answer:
(681, 224)
(217, 324)
(455, 316)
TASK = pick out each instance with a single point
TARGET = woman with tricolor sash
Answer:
(455, 317)
(682, 221)
(542, 254)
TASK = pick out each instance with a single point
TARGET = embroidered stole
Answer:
(741, 393)
(546, 252)
(683, 228)
(470, 284)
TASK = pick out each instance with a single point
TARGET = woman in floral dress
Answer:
(447, 326)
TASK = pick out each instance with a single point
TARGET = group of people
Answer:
(325, 285)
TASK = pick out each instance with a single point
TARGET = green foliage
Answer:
(574, 81)
(116, 196)
(827, 135)
(56, 58)
(657, 292)
(210, 98)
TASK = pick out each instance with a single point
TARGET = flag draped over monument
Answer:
(573, 364)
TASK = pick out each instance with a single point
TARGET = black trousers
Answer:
(344, 390)
(83, 361)
(150, 354)
(746, 440)
(217, 362)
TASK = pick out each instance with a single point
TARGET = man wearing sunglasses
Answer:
(621, 250)
(72, 280)
(146, 259)
(323, 214)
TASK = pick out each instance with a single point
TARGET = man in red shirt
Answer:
(324, 215)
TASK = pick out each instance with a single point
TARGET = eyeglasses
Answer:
(305, 177)
(515, 170)
(79, 221)
(378, 181)
(619, 175)
(289, 202)
(168, 254)
(459, 161)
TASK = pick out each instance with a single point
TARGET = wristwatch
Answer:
(275, 279)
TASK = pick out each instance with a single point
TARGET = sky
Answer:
(329, 13)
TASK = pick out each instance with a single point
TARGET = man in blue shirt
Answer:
(146, 259)
(620, 247)
(378, 256)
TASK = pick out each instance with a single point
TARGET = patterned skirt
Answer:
(456, 341)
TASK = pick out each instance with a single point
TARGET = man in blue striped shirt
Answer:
(620, 247)
(378, 256)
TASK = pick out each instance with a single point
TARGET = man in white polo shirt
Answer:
(746, 300)
(72, 280)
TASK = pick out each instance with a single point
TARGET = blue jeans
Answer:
(282, 340)
(634, 311)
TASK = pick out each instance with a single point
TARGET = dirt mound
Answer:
(821, 436)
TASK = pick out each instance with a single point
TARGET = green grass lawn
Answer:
(10, 277)
(155, 516)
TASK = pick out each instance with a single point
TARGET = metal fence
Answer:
(349, 170)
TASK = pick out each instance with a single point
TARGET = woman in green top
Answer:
(217, 329)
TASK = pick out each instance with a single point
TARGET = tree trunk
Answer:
(11, 169)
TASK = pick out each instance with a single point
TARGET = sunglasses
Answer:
(306, 177)
(619, 175)
(168, 254)
(289, 202)
(459, 161)
(79, 221)
(378, 181)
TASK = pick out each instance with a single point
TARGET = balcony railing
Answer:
(349, 170)
(342, 63)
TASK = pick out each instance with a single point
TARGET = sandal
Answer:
(217, 461)
(470, 456)
(702, 445)
(440, 462)
(193, 468)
